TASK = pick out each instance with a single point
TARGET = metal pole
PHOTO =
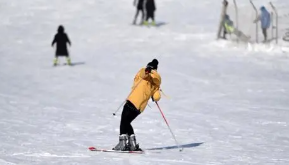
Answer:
(256, 18)
(237, 17)
(223, 12)
(272, 27)
(276, 15)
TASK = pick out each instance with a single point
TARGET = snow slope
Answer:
(228, 102)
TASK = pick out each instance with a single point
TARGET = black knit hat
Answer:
(153, 64)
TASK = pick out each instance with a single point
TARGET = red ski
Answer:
(116, 151)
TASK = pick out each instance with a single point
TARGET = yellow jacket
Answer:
(144, 87)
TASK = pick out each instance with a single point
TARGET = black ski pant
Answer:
(129, 113)
(150, 14)
(264, 31)
(225, 33)
(142, 15)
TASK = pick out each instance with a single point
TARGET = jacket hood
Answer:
(60, 29)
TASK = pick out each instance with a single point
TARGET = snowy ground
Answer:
(231, 98)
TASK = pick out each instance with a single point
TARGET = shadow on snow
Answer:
(158, 24)
(190, 145)
(72, 64)
(77, 63)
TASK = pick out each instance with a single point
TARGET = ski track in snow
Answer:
(232, 98)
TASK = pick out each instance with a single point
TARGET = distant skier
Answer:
(150, 11)
(264, 17)
(146, 85)
(61, 39)
(229, 28)
(139, 8)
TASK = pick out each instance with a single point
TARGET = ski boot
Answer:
(68, 61)
(122, 144)
(153, 23)
(133, 146)
(55, 61)
(141, 22)
(146, 23)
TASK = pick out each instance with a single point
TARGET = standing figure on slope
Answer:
(229, 28)
(150, 11)
(228, 25)
(146, 85)
(61, 39)
(264, 17)
(225, 4)
(139, 8)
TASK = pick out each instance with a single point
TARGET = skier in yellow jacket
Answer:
(146, 85)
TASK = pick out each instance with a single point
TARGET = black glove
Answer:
(148, 69)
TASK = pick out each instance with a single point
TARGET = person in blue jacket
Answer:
(265, 20)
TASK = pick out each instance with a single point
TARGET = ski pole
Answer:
(181, 149)
(126, 98)
(149, 106)
(119, 107)
(168, 97)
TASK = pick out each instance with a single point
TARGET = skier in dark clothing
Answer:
(150, 11)
(61, 39)
(139, 8)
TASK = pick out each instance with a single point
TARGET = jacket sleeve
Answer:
(257, 19)
(67, 39)
(143, 74)
(265, 19)
(156, 79)
(157, 95)
(139, 76)
(54, 40)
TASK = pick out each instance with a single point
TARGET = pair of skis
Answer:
(62, 64)
(115, 151)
